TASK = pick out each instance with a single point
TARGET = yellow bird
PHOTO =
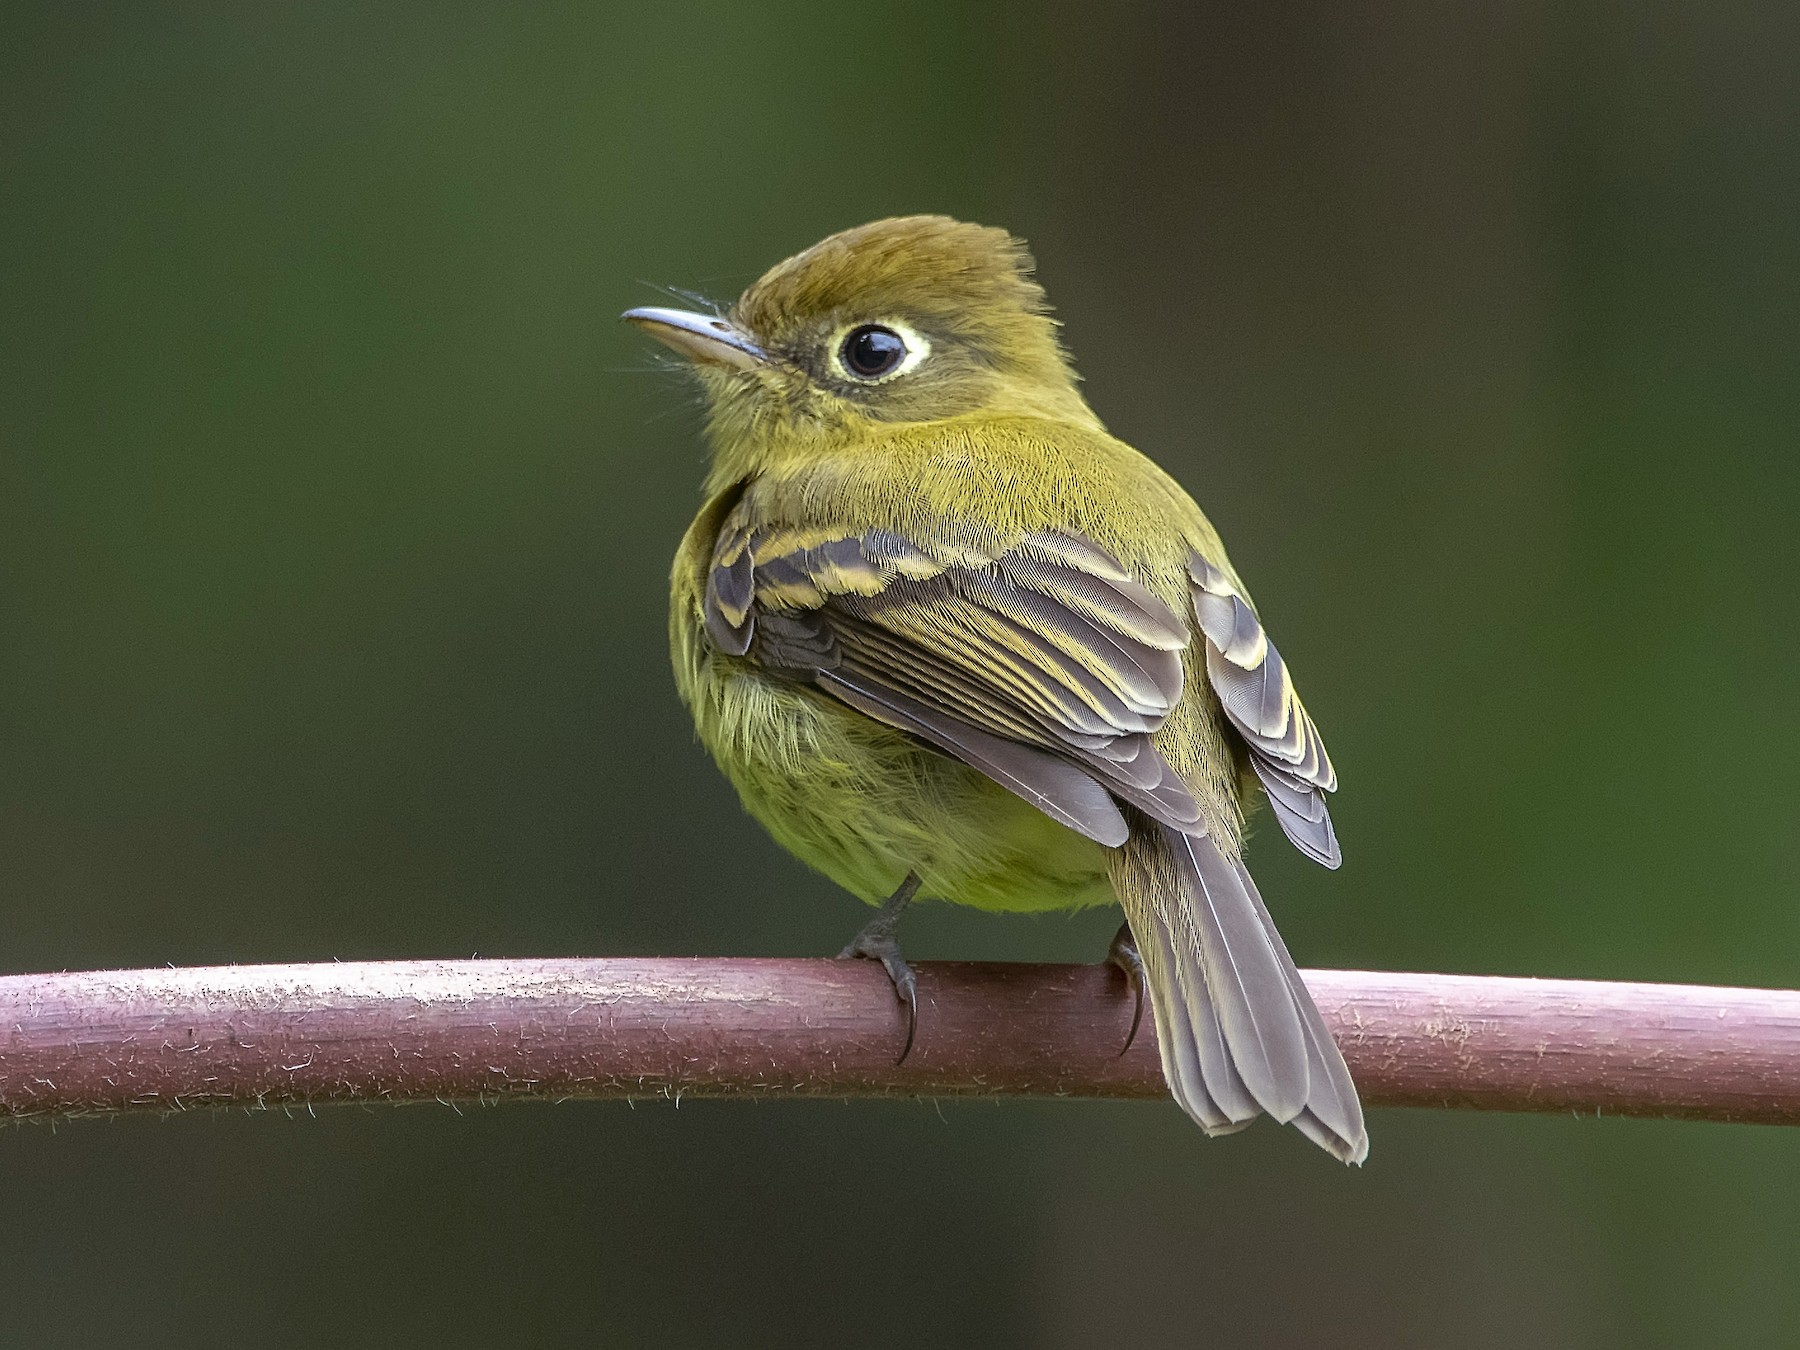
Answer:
(949, 638)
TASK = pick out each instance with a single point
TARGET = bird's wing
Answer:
(1258, 696)
(1043, 665)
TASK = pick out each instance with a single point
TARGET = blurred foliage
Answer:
(335, 511)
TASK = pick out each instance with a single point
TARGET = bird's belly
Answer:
(865, 804)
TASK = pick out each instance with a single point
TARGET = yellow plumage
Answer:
(935, 623)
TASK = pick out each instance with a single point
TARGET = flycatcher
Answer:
(949, 638)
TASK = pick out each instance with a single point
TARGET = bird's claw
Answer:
(877, 943)
(1124, 954)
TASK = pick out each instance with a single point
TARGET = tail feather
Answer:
(1250, 995)
(1195, 1064)
(1333, 1118)
(1239, 1033)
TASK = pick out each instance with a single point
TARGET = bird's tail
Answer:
(1239, 1033)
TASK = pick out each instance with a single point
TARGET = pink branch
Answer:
(418, 1030)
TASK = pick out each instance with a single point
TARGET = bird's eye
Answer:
(871, 351)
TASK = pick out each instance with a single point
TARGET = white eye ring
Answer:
(915, 344)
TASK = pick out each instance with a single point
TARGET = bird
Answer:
(949, 638)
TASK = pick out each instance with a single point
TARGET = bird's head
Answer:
(912, 319)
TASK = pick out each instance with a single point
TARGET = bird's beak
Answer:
(700, 337)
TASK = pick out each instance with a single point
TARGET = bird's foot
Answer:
(1124, 954)
(880, 945)
(878, 942)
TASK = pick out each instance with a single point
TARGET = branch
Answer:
(410, 1031)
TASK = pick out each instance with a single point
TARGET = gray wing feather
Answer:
(730, 591)
(1300, 808)
(1147, 680)
(797, 641)
(955, 627)
(1059, 790)
(1258, 698)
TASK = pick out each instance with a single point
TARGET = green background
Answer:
(335, 512)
